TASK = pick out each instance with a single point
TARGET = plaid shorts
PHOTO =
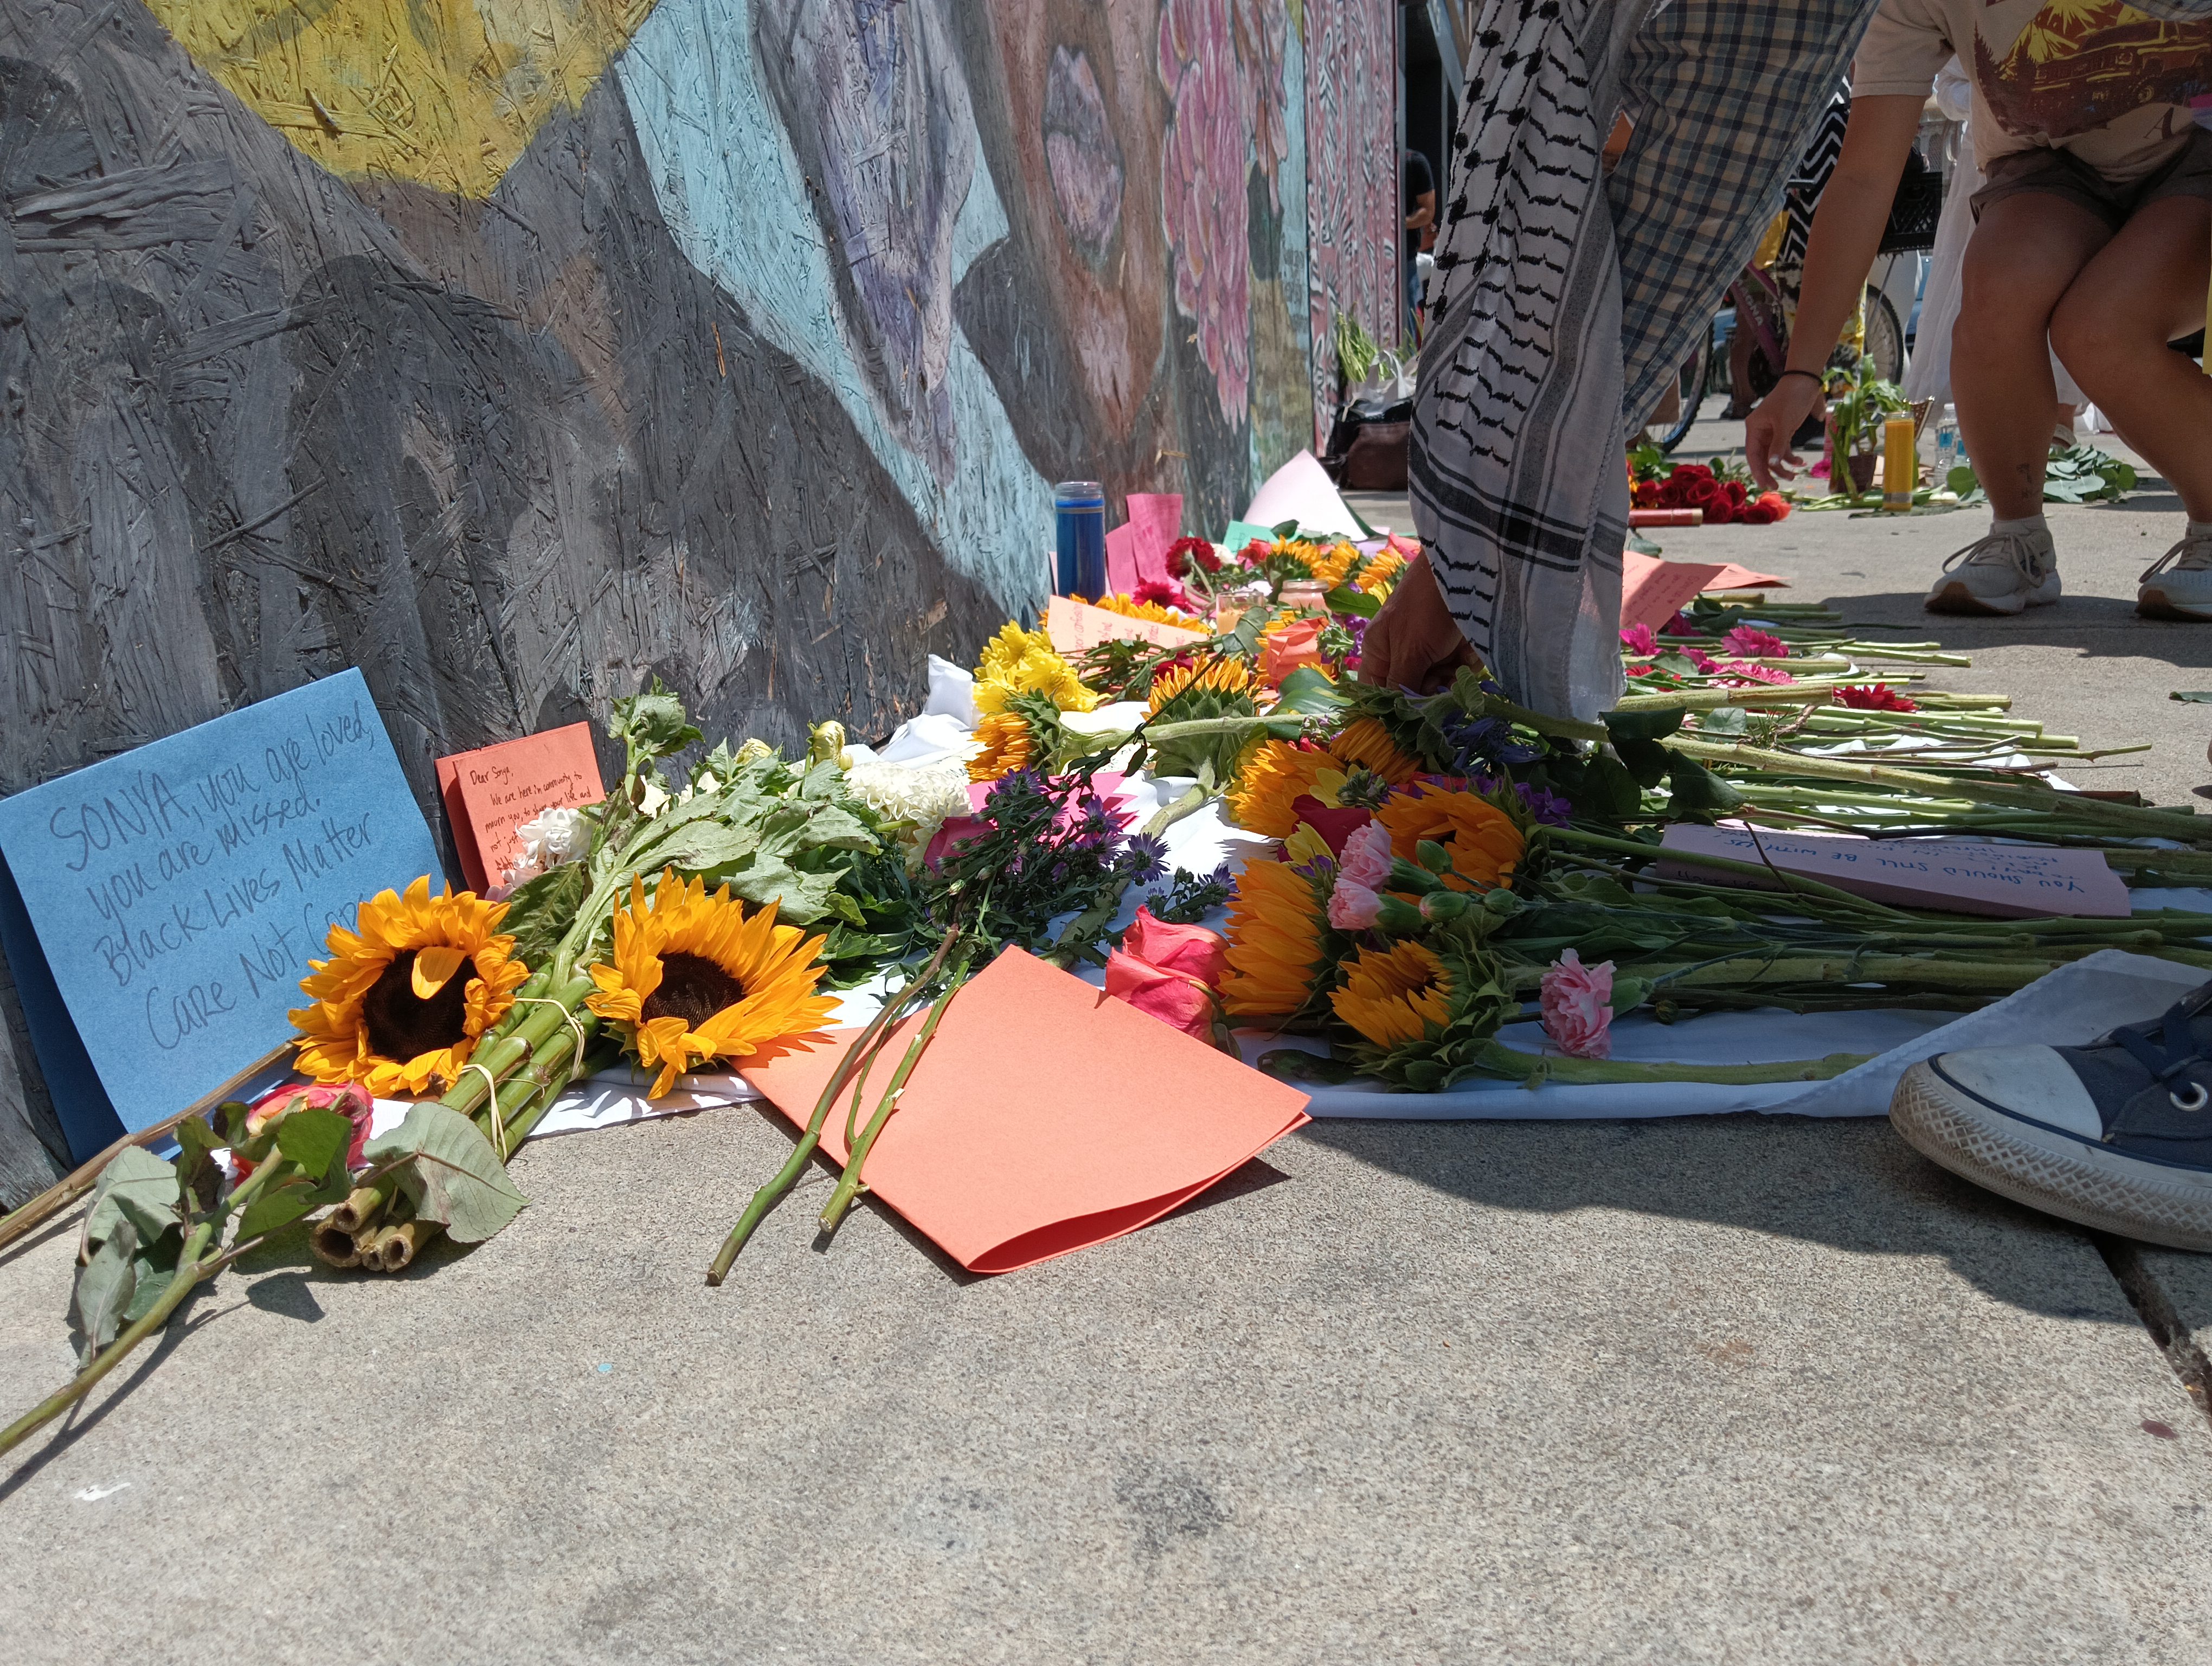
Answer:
(2060, 174)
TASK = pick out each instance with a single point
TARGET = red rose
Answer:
(1177, 1000)
(1191, 950)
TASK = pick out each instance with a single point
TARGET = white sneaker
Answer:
(2179, 585)
(1998, 573)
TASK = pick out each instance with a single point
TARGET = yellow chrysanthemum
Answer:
(698, 977)
(1274, 942)
(1231, 677)
(1007, 744)
(1486, 845)
(1391, 996)
(1330, 566)
(1272, 776)
(1368, 743)
(1129, 608)
(1017, 661)
(401, 1001)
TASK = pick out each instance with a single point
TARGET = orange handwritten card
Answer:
(1045, 1116)
(491, 792)
(1075, 625)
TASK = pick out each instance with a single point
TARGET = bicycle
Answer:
(1755, 306)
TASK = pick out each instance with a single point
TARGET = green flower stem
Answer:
(1792, 882)
(849, 1184)
(194, 1265)
(1497, 1060)
(857, 1057)
(2165, 824)
(1947, 971)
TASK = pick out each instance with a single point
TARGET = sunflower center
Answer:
(401, 1023)
(693, 988)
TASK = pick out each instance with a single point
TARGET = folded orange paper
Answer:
(1044, 1116)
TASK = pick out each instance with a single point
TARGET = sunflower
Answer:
(1380, 576)
(1007, 746)
(1017, 661)
(1485, 843)
(1331, 565)
(404, 996)
(1158, 612)
(1229, 678)
(1274, 774)
(1274, 942)
(1394, 995)
(1368, 743)
(698, 977)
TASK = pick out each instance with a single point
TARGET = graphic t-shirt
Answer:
(2097, 78)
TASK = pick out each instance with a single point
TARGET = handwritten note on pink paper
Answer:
(1956, 876)
(1653, 591)
(1074, 626)
(1155, 523)
(1122, 560)
(490, 793)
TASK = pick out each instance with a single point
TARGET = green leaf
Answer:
(1292, 1064)
(1286, 528)
(1607, 791)
(279, 1207)
(1345, 599)
(1962, 479)
(652, 724)
(539, 911)
(1724, 721)
(314, 1139)
(138, 1187)
(1646, 760)
(1641, 725)
(2195, 696)
(105, 1285)
(450, 1172)
(198, 1173)
(153, 1266)
(1697, 790)
(1306, 692)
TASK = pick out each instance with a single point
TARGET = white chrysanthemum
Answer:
(553, 837)
(924, 795)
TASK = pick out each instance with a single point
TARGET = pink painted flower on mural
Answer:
(1577, 1006)
(1203, 163)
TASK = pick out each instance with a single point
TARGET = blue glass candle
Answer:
(1080, 515)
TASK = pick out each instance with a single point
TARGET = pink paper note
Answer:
(1733, 577)
(1653, 591)
(1155, 523)
(1045, 1115)
(491, 792)
(1122, 560)
(1074, 626)
(1955, 875)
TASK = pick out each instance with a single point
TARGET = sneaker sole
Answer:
(2071, 1178)
(2153, 605)
(1957, 598)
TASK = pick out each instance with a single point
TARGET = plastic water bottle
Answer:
(1948, 455)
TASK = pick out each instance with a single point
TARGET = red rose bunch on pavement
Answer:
(1875, 697)
(1695, 486)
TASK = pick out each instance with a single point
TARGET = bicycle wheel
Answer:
(1884, 337)
(1690, 387)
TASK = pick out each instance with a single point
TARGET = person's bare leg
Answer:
(2025, 253)
(2144, 289)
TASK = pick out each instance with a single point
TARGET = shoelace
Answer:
(2192, 555)
(1993, 547)
(2165, 1048)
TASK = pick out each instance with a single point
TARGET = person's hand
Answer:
(1414, 642)
(1772, 424)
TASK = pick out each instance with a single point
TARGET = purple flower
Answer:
(1548, 808)
(1146, 858)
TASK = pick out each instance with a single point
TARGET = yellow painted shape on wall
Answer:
(444, 92)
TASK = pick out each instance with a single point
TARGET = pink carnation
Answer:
(1638, 639)
(1353, 907)
(1577, 1006)
(1367, 856)
(1749, 643)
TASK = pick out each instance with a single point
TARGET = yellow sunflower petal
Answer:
(434, 969)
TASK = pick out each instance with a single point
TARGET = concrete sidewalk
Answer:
(1735, 1389)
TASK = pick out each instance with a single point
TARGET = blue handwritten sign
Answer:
(160, 907)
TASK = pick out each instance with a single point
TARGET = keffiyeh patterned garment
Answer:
(1564, 301)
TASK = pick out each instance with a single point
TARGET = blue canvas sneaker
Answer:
(2117, 1135)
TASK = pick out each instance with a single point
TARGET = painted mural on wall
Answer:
(516, 349)
(1352, 178)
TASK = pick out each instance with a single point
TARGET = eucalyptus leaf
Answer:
(450, 1172)
(138, 1187)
